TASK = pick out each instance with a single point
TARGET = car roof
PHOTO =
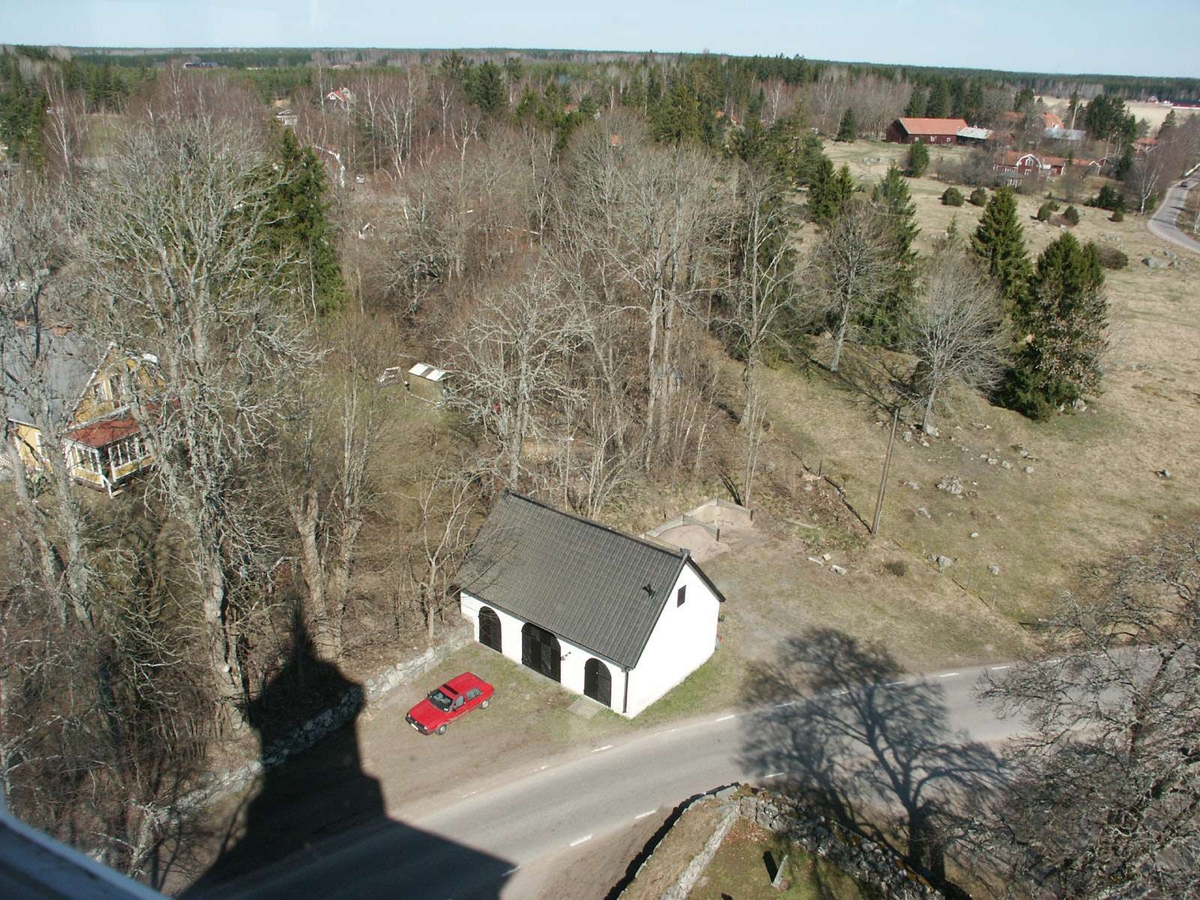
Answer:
(460, 683)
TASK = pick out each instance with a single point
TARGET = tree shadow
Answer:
(319, 826)
(857, 745)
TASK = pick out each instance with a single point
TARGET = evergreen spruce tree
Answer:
(939, 100)
(999, 242)
(848, 128)
(485, 87)
(884, 323)
(916, 103)
(917, 160)
(298, 225)
(1063, 326)
(829, 193)
(809, 159)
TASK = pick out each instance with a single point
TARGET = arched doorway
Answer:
(489, 628)
(540, 651)
(597, 681)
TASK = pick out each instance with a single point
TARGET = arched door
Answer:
(540, 651)
(597, 681)
(489, 628)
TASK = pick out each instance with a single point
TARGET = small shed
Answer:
(426, 382)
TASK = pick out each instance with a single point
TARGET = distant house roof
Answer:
(972, 133)
(63, 363)
(421, 370)
(948, 127)
(581, 580)
(1059, 133)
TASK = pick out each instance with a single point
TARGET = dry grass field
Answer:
(1094, 488)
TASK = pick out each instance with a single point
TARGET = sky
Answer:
(1128, 37)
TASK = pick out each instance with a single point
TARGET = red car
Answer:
(453, 699)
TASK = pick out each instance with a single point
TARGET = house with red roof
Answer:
(912, 130)
(63, 391)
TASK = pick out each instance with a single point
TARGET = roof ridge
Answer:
(683, 553)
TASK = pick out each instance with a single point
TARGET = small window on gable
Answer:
(681, 595)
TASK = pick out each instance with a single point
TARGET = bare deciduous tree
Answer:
(649, 213)
(510, 360)
(1106, 790)
(176, 264)
(954, 330)
(446, 504)
(759, 278)
(850, 270)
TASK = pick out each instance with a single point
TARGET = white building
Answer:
(613, 617)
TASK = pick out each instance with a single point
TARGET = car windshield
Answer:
(440, 700)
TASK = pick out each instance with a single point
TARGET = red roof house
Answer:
(925, 131)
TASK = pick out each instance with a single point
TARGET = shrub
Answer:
(896, 567)
(1109, 198)
(952, 197)
(1052, 205)
(1117, 216)
(1112, 258)
(1071, 215)
(978, 197)
(1044, 212)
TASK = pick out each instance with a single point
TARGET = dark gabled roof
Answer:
(581, 580)
(36, 359)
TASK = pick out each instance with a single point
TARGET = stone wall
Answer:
(866, 861)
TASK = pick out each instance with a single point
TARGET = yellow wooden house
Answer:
(58, 379)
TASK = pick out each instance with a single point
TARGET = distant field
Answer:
(1154, 113)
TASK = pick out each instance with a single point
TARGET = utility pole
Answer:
(887, 464)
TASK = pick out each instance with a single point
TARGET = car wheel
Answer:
(484, 704)
(441, 729)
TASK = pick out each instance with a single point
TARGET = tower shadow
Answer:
(319, 826)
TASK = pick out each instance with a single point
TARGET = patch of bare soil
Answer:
(590, 871)
(685, 839)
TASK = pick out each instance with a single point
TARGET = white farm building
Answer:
(613, 617)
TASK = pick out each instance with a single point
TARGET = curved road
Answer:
(1162, 223)
(506, 835)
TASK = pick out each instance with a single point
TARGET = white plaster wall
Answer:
(680, 643)
(572, 658)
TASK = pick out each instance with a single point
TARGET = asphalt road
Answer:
(1162, 223)
(496, 835)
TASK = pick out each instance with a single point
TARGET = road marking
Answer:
(544, 768)
(772, 775)
(602, 749)
(643, 815)
(510, 871)
(893, 683)
(582, 840)
(668, 731)
(948, 675)
(727, 718)
(473, 793)
(839, 693)
(998, 668)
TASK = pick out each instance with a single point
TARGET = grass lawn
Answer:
(739, 871)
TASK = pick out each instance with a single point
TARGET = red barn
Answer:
(925, 131)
